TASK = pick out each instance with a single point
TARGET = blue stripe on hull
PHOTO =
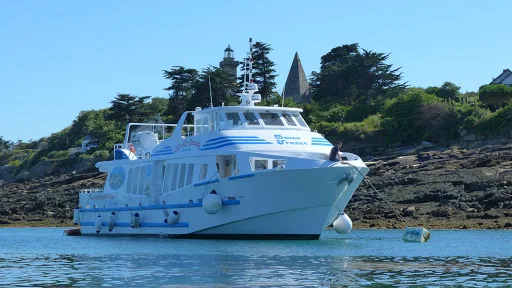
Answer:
(155, 207)
(143, 224)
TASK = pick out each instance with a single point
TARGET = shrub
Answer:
(100, 155)
(57, 155)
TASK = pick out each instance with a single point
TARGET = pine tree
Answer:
(127, 108)
(263, 70)
(182, 82)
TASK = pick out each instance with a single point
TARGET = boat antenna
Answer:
(248, 95)
(210, 84)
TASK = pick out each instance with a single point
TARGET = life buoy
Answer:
(132, 149)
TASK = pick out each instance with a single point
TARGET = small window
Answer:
(174, 177)
(199, 126)
(299, 120)
(277, 163)
(260, 164)
(233, 119)
(181, 179)
(202, 173)
(289, 120)
(142, 177)
(167, 177)
(271, 119)
(130, 181)
(251, 118)
(136, 177)
(190, 174)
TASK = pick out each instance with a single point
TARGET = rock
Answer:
(426, 144)
(463, 133)
(419, 148)
(409, 211)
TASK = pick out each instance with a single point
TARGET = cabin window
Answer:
(130, 181)
(233, 118)
(258, 163)
(142, 177)
(136, 178)
(202, 172)
(289, 120)
(199, 125)
(190, 174)
(251, 118)
(174, 176)
(181, 179)
(271, 119)
(226, 165)
(167, 178)
(299, 120)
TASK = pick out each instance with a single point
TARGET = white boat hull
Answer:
(277, 204)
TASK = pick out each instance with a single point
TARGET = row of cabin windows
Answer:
(138, 182)
(208, 122)
(178, 175)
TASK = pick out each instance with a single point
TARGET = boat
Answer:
(235, 172)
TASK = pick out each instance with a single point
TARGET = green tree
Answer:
(263, 70)
(181, 88)
(402, 116)
(495, 94)
(222, 89)
(350, 75)
(127, 108)
(448, 91)
(4, 144)
(93, 123)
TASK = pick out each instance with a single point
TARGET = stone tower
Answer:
(229, 64)
(297, 86)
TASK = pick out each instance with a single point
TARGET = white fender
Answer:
(136, 220)
(343, 224)
(98, 224)
(76, 216)
(111, 221)
(172, 218)
(212, 203)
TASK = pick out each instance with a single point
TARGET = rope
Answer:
(380, 194)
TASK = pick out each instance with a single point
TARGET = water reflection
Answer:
(224, 270)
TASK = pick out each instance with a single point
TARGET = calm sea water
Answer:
(43, 257)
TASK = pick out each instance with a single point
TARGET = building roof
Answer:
(297, 85)
(501, 79)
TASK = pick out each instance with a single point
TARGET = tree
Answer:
(350, 77)
(181, 87)
(448, 91)
(127, 108)
(222, 89)
(263, 70)
(4, 144)
(495, 94)
(402, 116)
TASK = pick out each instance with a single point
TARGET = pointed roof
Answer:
(297, 85)
(503, 78)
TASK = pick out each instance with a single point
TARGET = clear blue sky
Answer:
(58, 58)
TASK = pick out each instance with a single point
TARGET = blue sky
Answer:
(58, 58)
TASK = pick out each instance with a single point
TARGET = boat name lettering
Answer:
(289, 140)
(101, 197)
(189, 143)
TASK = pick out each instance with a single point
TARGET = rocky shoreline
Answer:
(445, 188)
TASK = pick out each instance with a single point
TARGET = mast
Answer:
(248, 96)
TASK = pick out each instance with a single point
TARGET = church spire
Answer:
(297, 85)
